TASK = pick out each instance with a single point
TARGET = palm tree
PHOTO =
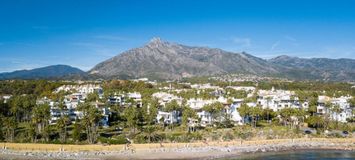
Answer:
(351, 101)
(214, 109)
(76, 135)
(172, 106)
(63, 122)
(244, 111)
(90, 120)
(328, 108)
(150, 133)
(27, 103)
(255, 113)
(16, 107)
(40, 117)
(286, 114)
(337, 110)
(313, 105)
(10, 125)
(268, 99)
(316, 121)
(131, 115)
(187, 114)
(61, 126)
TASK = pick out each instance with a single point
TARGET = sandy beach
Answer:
(209, 151)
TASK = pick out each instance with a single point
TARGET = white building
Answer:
(6, 98)
(198, 104)
(164, 98)
(233, 111)
(83, 89)
(242, 88)
(279, 99)
(137, 97)
(169, 117)
(116, 99)
(204, 86)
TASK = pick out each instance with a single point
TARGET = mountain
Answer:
(161, 60)
(316, 68)
(164, 60)
(49, 72)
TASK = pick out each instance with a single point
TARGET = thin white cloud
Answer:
(110, 37)
(338, 52)
(86, 44)
(40, 27)
(275, 45)
(20, 66)
(268, 55)
(293, 41)
(290, 38)
(27, 44)
(105, 52)
(243, 42)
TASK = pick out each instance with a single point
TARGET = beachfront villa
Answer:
(164, 98)
(233, 111)
(279, 99)
(339, 109)
(168, 117)
(136, 97)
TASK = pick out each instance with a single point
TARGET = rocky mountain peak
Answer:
(160, 59)
(156, 42)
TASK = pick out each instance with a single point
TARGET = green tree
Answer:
(312, 103)
(268, 114)
(316, 121)
(255, 113)
(244, 111)
(215, 109)
(92, 97)
(62, 125)
(28, 103)
(16, 108)
(10, 124)
(150, 110)
(77, 129)
(150, 132)
(40, 117)
(351, 101)
(286, 114)
(187, 114)
(90, 120)
(62, 122)
(336, 109)
(131, 115)
(172, 106)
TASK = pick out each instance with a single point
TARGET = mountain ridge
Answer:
(165, 60)
(341, 69)
(162, 60)
(174, 61)
(47, 72)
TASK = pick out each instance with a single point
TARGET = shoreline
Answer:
(187, 152)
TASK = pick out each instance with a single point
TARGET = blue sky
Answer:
(82, 33)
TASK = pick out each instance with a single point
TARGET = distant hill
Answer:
(49, 72)
(316, 68)
(165, 60)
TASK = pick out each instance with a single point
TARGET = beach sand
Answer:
(203, 152)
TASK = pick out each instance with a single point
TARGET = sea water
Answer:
(299, 155)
